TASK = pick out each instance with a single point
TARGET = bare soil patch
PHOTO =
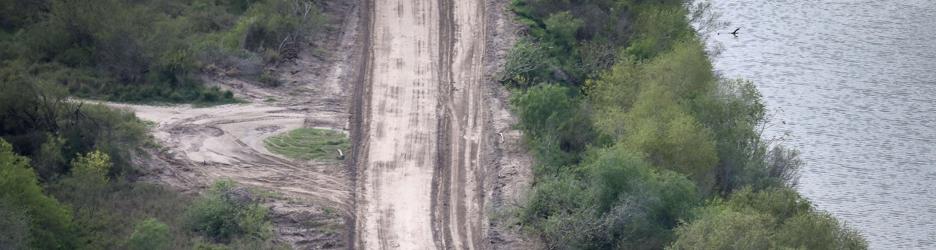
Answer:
(202, 144)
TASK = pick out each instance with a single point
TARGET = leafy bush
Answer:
(150, 234)
(556, 123)
(818, 230)
(562, 26)
(580, 38)
(658, 27)
(95, 165)
(526, 65)
(227, 212)
(724, 228)
(776, 218)
(619, 202)
(51, 225)
(643, 203)
(670, 137)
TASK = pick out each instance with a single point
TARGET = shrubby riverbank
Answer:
(640, 145)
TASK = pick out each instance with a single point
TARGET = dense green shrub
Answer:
(818, 230)
(776, 218)
(620, 202)
(556, 123)
(562, 27)
(50, 222)
(724, 228)
(643, 203)
(657, 28)
(227, 212)
(150, 234)
(580, 37)
(670, 137)
(526, 65)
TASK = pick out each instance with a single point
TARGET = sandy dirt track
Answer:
(460, 172)
(418, 185)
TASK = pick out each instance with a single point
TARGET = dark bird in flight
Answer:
(735, 32)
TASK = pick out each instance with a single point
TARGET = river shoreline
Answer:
(851, 86)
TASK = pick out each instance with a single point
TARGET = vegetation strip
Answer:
(640, 145)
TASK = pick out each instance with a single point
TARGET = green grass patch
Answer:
(309, 144)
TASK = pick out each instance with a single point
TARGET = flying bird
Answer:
(735, 32)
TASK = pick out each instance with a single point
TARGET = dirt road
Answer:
(418, 177)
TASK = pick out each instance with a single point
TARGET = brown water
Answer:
(853, 84)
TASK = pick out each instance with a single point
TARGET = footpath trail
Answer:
(418, 183)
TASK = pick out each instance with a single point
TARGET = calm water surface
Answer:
(853, 84)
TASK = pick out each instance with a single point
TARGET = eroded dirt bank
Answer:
(506, 162)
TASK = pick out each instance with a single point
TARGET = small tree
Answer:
(150, 234)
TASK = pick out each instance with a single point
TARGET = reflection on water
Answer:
(853, 82)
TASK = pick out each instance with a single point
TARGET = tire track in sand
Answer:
(395, 177)
(463, 103)
(418, 179)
